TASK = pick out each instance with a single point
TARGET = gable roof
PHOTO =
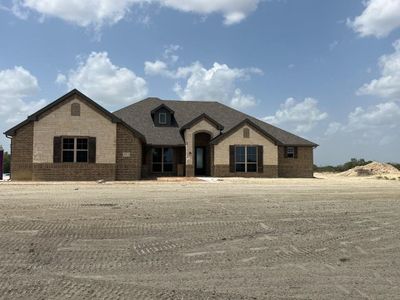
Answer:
(162, 106)
(138, 116)
(74, 93)
(238, 126)
(203, 116)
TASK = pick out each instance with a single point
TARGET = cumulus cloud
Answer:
(216, 83)
(100, 12)
(302, 116)
(100, 79)
(16, 86)
(196, 82)
(379, 18)
(378, 123)
(388, 85)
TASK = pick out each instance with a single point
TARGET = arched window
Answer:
(75, 109)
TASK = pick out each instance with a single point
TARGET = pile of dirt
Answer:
(374, 168)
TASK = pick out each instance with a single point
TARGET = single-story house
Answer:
(74, 138)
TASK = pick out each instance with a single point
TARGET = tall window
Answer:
(290, 152)
(246, 158)
(75, 150)
(162, 118)
(162, 160)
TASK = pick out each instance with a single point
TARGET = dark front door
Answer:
(200, 157)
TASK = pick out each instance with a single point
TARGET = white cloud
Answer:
(379, 18)
(333, 128)
(16, 86)
(105, 82)
(100, 12)
(302, 116)
(377, 124)
(381, 116)
(216, 83)
(388, 85)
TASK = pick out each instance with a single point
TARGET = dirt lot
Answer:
(330, 238)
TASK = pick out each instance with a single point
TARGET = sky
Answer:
(328, 71)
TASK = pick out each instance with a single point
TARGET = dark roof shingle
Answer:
(138, 116)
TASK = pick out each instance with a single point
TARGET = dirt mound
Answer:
(374, 168)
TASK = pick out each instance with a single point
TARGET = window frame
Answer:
(75, 149)
(162, 163)
(246, 162)
(292, 153)
(165, 118)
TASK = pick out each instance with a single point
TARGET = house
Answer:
(74, 138)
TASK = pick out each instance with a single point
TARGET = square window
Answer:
(68, 143)
(82, 144)
(240, 167)
(290, 152)
(68, 156)
(167, 167)
(251, 168)
(162, 118)
(81, 156)
(157, 167)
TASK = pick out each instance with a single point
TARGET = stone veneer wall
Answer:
(129, 155)
(60, 122)
(300, 167)
(22, 153)
(201, 126)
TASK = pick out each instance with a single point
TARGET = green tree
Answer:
(6, 161)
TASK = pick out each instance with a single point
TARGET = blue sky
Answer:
(326, 70)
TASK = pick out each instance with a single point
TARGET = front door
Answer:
(200, 161)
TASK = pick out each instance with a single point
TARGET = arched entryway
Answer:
(202, 154)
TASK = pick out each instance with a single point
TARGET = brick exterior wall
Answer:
(300, 167)
(129, 155)
(270, 171)
(73, 172)
(22, 153)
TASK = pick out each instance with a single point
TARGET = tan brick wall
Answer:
(59, 122)
(300, 167)
(270, 171)
(270, 150)
(129, 155)
(73, 172)
(21, 153)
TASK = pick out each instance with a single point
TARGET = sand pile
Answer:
(374, 168)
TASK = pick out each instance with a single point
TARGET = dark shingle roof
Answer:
(138, 116)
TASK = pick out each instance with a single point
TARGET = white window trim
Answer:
(245, 159)
(75, 150)
(165, 118)
(290, 154)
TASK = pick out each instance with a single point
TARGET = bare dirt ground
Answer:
(327, 238)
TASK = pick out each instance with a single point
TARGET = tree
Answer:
(6, 160)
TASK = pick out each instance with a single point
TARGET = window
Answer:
(162, 118)
(75, 150)
(246, 159)
(246, 133)
(75, 109)
(290, 152)
(162, 160)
